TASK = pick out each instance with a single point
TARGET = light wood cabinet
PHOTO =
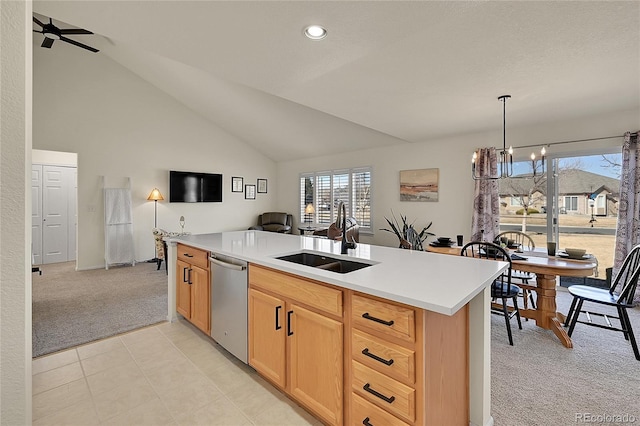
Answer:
(267, 336)
(193, 286)
(296, 339)
(408, 365)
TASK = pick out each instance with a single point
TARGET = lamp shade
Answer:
(155, 195)
(309, 209)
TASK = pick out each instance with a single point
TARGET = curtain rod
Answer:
(574, 141)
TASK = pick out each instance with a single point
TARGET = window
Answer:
(516, 201)
(571, 203)
(325, 190)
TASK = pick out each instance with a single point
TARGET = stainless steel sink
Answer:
(328, 263)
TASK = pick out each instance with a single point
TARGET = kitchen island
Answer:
(435, 298)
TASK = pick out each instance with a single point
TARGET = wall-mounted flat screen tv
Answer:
(193, 187)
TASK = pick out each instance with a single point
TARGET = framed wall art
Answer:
(262, 186)
(236, 184)
(249, 192)
(419, 185)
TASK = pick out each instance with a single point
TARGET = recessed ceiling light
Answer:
(315, 32)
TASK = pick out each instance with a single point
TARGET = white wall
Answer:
(15, 212)
(120, 125)
(451, 215)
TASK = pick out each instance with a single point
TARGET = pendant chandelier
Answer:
(505, 156)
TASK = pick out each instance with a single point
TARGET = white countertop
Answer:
(436, 282)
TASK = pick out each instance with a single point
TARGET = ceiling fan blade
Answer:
(47, 42)
(74, 31)
(75, 43)
(37, 21)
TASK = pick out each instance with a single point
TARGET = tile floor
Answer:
(167, 374)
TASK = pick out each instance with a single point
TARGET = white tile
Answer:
(82, 413)
(151, 413)
(111, 378)
(49, 362)
(123, 398)
(190, 397)
(218, 412)
(61, 397)
(99, 347)
(57, 377)
(106, 360)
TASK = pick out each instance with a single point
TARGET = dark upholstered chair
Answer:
(274, 222)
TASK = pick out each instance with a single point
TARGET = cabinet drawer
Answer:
(386, 357)
(363, 412)
(193, 256)
(384, 391)
(318, 296)
(394, 320)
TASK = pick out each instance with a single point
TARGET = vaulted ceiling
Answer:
(387, 73)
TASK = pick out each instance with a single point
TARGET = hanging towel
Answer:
(118, 216)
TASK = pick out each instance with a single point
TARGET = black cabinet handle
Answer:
(187, 255)
(189, 276)
(184, 275)
(278, 326)
(369, 317)
(365, 422)
(289, 332)
(388, 399)
(366, 352)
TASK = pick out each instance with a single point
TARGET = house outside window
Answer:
(571, 203)
(325, 190)
(515, 201)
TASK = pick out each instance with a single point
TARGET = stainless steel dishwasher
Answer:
(229, 304)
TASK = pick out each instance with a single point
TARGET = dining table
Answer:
(547, 268)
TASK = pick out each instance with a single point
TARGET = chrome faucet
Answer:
(345, 245)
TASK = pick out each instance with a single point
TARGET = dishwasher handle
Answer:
(227, 265)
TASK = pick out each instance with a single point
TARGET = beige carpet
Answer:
(71, 308)
(540, 382)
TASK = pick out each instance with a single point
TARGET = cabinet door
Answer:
(316, 372)
(183, 289)
(200, 299)
(267, 336)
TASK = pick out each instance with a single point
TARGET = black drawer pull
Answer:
(367, 387)
(365, 422)
(289, 332)
(278, 326)
(185, 279)
(366, 352)
(369, 317)
(187, 255)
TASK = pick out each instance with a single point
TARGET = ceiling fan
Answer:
(52, 33)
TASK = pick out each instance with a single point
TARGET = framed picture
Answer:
(236, 184)
(419, 185)
(262, 186)
(249, 192)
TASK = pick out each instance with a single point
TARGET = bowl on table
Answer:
(575, 253)
(444, 240)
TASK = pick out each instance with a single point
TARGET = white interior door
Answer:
(36, 213)
(55, 221)
(72, 185)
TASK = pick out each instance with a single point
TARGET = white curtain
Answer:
(486, 204)
(628, 231)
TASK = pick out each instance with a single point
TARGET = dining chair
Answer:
(627, 280)
(522, 241)
(502, 288)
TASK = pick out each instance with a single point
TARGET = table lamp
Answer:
(309, 211)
